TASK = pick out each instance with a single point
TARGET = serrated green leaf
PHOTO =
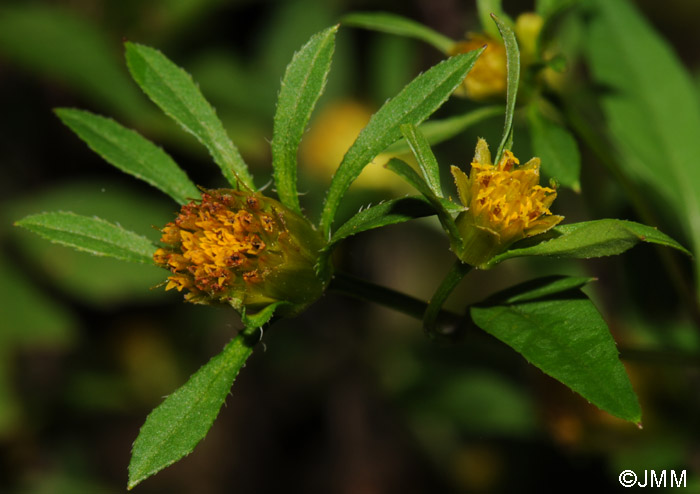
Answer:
(513, 66)
(93, 235)
(177, 425)
(424, 156)
(395, 24)
(386, 213)
(302, 85)
(130, 152)
(588, 239)
(556, 147)
(565, 337)
(416, 102)
(262, 317)
(651, 109)
(174, 91)
(437, 131)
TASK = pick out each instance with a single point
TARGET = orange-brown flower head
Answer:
(504, 202)
(489, 76)
(241, 249)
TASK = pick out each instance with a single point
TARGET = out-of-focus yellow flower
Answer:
(241, 249)
(504, 202)
(488, 77)
(331, 134)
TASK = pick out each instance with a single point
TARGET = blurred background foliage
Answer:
(348, 397)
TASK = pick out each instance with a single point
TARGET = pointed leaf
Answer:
(130, 152)
(416, 102)
(588, 239)
(513, 64)
(93, 235)
(174, 91)
(557, 149)
(177, 425)
(302, 85)
(487, 7)
(424, 156)
(395, 24)
(564, 336)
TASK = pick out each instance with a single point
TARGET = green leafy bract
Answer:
(93, 235)
(174, 91)
(424, 156)
(559, 330)
(177, 425)
(130, 152)
(417, 101)
(513, 64)
(302, 85)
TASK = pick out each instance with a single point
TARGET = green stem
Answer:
(430, 317)
(370, 292)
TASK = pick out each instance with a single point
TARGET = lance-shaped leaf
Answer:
(424, 156)
(177, 425)
(485, 9)
(513, 64)
(557, 149)
(302, 85)
(174, 91)
(416, 102)
(588, 239)
(93, 235)
(395, 24)
(130, 152)
(558, 329)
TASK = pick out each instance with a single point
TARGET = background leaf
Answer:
(395, 24)
(93, 235)
(651, 109)
(177, 425)
(588, 239)
(174, 91)
(417, 101)
(565, 337)
(131, 153)
(302, 85)
(557, 149)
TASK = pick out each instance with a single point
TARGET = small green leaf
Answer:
(174, 91)
(437, 131)
(416, 102)
(260, 318)
(93, 235)
(588, 239)
(487, 7)
(302, 85)
(130, 152)
(424, 156)
(386, 213)
(564, 336)
(176, 426)
(513, 64)
(401, 26)
(557, 149)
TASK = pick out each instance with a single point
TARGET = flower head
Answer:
(241, 249)
(504, 202)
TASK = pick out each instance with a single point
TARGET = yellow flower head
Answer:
(242, 249)
(504, 202)
(488, 77)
